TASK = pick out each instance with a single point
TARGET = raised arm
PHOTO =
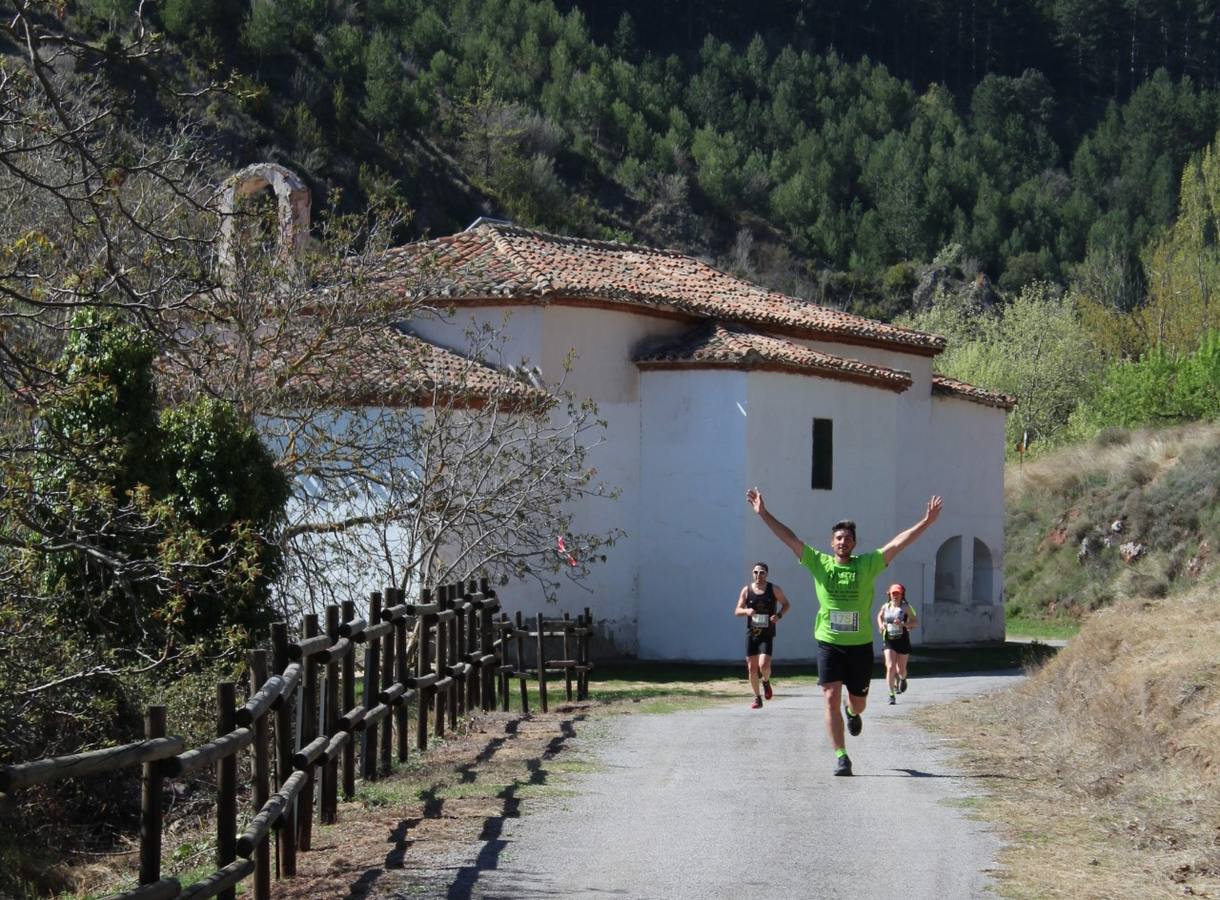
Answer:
(904, 539)
(781, 531)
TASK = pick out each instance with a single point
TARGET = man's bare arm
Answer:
(778, 528)
(742, 609)
(904, 539)
(783, 600)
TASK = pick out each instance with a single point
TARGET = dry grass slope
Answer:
(1104, 764)
(1106, 759)
(1061, 557)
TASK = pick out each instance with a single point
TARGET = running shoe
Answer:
(855, 724)
(892, 700)
(767, 692)
(902, 685)
(757, 704)
(843, 766)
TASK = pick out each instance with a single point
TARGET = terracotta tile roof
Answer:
(730, 346)
(951, 387)
(506, 262)
(367, 366)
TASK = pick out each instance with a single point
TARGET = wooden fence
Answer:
(304, 727)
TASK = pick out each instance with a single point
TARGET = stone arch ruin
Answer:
(292, 207)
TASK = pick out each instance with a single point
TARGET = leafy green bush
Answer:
(1033, 348)
(183, 18)
(160, 519)
(1161, 387)
(143, 539)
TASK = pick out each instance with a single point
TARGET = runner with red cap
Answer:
(895, 620)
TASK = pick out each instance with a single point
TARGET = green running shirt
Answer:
(845, 596)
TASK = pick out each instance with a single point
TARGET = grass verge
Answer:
(1102, 764)
(1040, 629)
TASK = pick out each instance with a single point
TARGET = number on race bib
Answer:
(840, 620)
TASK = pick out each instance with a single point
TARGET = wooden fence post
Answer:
(387, 680)
(401, 714)
(455, 632)
(328, 806)
(423, 663)
(487, 673)
(567, 655)
(457, 637)
(262, 776)
(150, 802)
(372, 680)
(349, 701)
(521, 676)
(442, 653)
(286, 834)
(308, 731)
(587, 638)
(226, 783)
(474, 675)
(504, 645)
(541, 664)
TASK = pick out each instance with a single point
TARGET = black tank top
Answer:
(760, 603)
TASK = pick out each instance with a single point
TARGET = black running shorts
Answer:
(759, 642)
(899, 645)
(851, 665)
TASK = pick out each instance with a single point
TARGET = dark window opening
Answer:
(823, 454)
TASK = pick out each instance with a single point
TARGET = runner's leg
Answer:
(752, 667)
(832, 693)
(857, 704)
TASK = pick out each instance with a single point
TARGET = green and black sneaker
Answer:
(855, 724)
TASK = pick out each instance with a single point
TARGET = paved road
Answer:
(733, 802)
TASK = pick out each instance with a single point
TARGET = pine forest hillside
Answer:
(826, 149)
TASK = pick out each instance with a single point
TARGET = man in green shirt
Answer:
(843, 628)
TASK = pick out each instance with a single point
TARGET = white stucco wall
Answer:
(604, 341)
(967, 452)
(952, 447)
(682, 454)
(691, 527)
(602, 369)
(866, 423)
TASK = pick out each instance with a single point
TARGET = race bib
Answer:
(893, 629)
(760, 620)
(841, 620)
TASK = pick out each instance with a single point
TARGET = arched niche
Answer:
(948, 579)
(982, 575)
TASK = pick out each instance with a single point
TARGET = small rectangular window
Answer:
(823, 454)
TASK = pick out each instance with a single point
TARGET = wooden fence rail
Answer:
(303, 722)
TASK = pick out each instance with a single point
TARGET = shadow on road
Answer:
(916, 773)
(459, 882)
(489, 854)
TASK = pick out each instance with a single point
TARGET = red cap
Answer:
(896, 587)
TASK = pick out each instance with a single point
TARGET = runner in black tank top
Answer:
(762, 604)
